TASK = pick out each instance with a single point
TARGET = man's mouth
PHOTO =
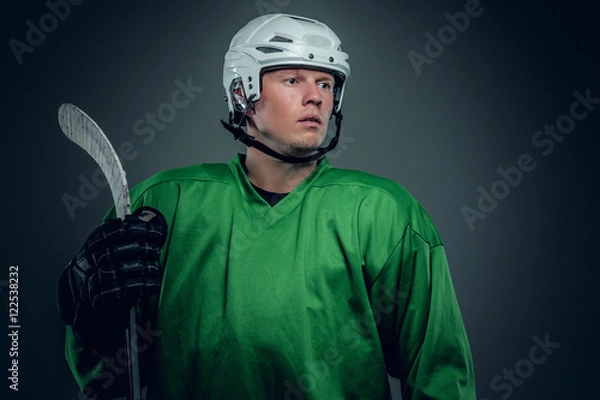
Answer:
(311, 119)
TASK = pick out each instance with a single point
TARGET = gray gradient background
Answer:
(529, 268)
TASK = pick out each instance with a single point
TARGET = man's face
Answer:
(293, 111)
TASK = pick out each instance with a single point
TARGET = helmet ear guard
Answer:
(240, 103)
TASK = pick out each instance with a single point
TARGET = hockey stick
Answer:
(82, 130)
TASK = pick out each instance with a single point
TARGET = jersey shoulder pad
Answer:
(198, 173)
(386, 196)
(369, 183)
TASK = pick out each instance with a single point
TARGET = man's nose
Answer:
(313, 94)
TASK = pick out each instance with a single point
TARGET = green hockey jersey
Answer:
(317, 297)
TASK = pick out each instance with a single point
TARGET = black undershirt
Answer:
(270, 197)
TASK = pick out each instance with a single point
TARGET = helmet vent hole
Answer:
(281, 39)
(297, 18)
(268, 50)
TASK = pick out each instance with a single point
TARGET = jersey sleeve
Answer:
(103, 374)
(422, 333)
(415, 306)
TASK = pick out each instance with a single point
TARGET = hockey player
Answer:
(274, 276)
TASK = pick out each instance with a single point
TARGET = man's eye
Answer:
(325, 85)
(291, 80)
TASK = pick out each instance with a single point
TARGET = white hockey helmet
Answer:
(280, 40)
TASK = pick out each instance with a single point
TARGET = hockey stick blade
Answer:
(83, 131)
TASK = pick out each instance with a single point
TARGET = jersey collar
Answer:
(259, 206)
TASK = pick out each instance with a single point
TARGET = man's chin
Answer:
(306, 147)
(301, 151)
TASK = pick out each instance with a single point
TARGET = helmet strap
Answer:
(250, 141)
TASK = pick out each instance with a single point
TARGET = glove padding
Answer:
(115, 267)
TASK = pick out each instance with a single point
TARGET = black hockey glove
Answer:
(116, 266)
